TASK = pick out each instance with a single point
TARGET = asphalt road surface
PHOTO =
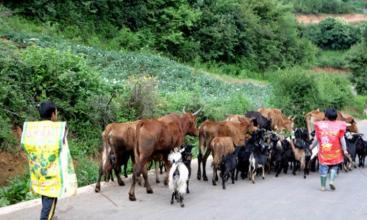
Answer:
(285, 197)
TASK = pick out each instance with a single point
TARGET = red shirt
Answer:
(328, 134)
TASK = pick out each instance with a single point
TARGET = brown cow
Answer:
(236, 118)
(159, 136)
(279, 121)
(317, 115)
(221, 147)
(208, 130)
(119, 141)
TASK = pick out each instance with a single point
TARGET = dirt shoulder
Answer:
(11, 165)
(315, 19)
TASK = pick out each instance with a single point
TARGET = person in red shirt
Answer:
(332, 146)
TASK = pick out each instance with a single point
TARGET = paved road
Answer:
(285, 197)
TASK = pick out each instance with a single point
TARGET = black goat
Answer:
(228, 166)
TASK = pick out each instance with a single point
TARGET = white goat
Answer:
(178, 177)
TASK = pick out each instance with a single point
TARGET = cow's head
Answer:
(189, 123)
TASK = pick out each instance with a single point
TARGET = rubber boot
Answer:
(332, 179)
(323, 183)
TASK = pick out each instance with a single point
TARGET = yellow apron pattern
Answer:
(51, 167)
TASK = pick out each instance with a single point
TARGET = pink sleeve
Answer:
(343, 128)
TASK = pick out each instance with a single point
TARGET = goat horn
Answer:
(197, 112)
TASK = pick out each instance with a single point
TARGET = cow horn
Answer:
(183, 109)
(197, 112)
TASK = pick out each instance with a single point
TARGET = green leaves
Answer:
(333, 34)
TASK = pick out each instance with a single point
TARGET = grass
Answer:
(331, 58)
(356, 107)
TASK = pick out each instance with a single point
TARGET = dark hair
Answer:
(331, 114)
(46, 109)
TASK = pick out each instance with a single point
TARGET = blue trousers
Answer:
(48, 207)
(324, 169)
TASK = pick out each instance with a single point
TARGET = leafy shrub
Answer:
(357, 62)
(86, 171)
(331, 58)
(322, 6)
(259, 34)
(18, 190)
(333, 34)
(297, 92)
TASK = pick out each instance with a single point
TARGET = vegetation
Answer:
(255, 34)
(297, 92)
(331, 58)
(327, 6)
(127, 66)
(357, 62)
(333, 34)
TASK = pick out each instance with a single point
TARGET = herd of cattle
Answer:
(260, 141)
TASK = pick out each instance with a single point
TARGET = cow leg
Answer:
(146, 181)
(157, 171)
(161, 165)
(215, 176)
(117, 172)
(232, 176)
(125, 168)
(167, 166)
(237, 171)
(98, 184)
(136, 174)
(263, 172)
(206, 155)
(200, 158)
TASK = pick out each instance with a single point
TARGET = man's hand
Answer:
(346, 152)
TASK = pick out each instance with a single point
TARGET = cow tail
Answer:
(136, 145)
(106, 149)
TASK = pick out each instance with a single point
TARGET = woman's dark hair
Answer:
(46, 109)
(331, 114)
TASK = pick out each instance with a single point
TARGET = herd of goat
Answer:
(247, 145)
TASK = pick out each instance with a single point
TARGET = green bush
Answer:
(323, 6)
(333, 34)
(331, 58)
(297, 92)
(86, 171)
(18, 190)
(259, 34)
(357, 62)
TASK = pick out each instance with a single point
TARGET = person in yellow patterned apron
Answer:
(51, 168)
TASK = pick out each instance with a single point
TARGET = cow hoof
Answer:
(166, 182)
(276, 175)
(121, 183)
(149, 191)
(263, 178)
(97, 189)
(182, 205)
(187, 191)
(205, 178)
(214, 183)
(157, 181)
(132, 197)
(304, 177)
